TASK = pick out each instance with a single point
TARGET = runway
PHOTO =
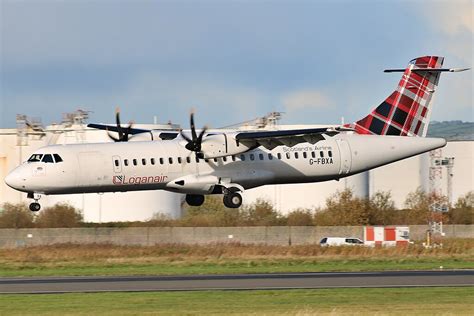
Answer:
(237, 282)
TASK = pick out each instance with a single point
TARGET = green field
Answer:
(227, 266)
(411, 301)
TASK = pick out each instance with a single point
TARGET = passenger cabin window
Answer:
(57, 158)
(47, 158)
(35, 158)
(279, 155)
(330, 153)
(144, 161)
(242, 157)
(134, 162)
(215, 159)
(170, 159)
(162, 161)
(252, 157)
(260, 156)
(233, 157)
(288, 156)
(321, 154)
(116, 162)
(224, 159)
(125, 162)
(188, 159)
(179, 160)
(270, 157)
(296, 155)
(313, 154)
(305, 155)
(152, 160)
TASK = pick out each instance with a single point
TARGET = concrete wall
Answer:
(148, 236)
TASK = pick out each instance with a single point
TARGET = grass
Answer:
(391, 301)
(100, 259)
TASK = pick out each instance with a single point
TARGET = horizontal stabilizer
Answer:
(429, 70)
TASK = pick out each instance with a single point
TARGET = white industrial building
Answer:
(16, 146)
(400, 178)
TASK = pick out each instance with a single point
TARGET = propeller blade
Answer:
(117, 121)
(128, 130)
(185, 136)
(112, 137)
(201, 134)
(193, 127)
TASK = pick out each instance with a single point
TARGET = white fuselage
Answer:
(167, 165)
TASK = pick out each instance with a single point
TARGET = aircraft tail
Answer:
(406, 112)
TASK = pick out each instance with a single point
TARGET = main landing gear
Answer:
(35, 206)
(194, 199)
(232, 200)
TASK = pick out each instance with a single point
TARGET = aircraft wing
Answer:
(113, 128)
(290, 138)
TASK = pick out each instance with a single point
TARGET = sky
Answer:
(230, 61)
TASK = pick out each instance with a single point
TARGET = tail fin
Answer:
(406, 112)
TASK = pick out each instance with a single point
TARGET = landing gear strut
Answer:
(194, 199)
(35, 206)
(232, 200)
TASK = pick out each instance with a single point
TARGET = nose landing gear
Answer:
(35, 206)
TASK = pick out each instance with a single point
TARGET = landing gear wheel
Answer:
(194, 199)
(233, 200)
(35, 207)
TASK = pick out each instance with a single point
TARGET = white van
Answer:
(340, 241)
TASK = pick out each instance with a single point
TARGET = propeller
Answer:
(123, 132)
(195, 142)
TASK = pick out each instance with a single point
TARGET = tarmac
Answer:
(273, 281)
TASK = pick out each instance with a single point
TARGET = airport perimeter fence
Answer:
(148, 236)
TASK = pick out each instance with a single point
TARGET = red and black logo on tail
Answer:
(406, 111)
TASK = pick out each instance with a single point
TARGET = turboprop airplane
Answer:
(203, 162)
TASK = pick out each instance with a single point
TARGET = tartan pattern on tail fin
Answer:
(406, 112)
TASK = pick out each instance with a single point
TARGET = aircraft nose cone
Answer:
(14, 180)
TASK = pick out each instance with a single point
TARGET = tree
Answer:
(261, 213)
(211, 213)
(418, 206)
(59, 215)
(300, 217)
(16, 216)
(463, 210)
(382, 209)
(343, 208)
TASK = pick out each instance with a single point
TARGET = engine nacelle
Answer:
(222, 144)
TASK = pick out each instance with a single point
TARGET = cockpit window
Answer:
(57, 158)
(35, 158)
(47, 158)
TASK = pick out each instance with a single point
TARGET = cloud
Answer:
(306, 99)
(145, 95)
(453, 20)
